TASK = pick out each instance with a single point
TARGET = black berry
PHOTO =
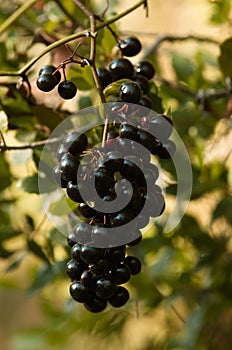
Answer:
(67, 89)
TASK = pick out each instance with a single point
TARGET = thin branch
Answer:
(69, 15)
(31, 145)
(70, 38)
(173, 38)
(176, 86)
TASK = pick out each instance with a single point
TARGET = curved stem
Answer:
(70, 38)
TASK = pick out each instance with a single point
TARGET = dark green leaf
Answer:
(223, 209)
(37, 250)
(225, 57)
(5, 173)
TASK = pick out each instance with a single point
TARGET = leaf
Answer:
(47, 116)
(5, 173)
(221, 11)
(30, 184)
(82, 77)
(3, 122)
(37, 250)
(108, 41)
(63, 206)
(8, 232)
(225, 57)
(223, 209)
(183, 67)
(16, 263)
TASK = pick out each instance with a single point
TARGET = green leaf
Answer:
(82, 77)
(7, 232)
(47, 116)
(30, 184)
(223, 209)
(5, 173)
(225, 57)
(108, 41)
(3, 122)
(16, 263)
(37, 250)
(63, 206)
(183, 67)
(221, 11)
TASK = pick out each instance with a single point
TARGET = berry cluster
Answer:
(49, 77)
(101, 178)
(97, 274)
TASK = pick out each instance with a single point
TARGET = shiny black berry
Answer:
(104, 76)
(145, 68)
(105, 288)
(130, 46)
(85, 210)
(68, 167)
(143, 82)
(50, 69)
(121, 68)
(144, 102)
(81, 233)
(75, 253)
(67, 89)
(130, 92)
(90, 255)
(133, 263)
(79, 292)
(161, 127)
(73, 192)
(46, 82)
(75, 142)
(58, 177)
(167, 150)
(74, 269)
(121, 274)
(128, 131)
(115, 255)
(120, 298)
(95, 304)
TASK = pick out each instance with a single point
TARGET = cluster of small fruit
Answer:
(49, 77)
(95, 268)
(97, 274)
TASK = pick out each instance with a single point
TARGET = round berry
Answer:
(121, 274)
(133, 263)
(79, 292)
(90, 255)
(130, 46)
(143, 82)
(85, 210)
(167, 150)
(74, 269)
(68, 167)
(115, 255)
(75, 253)
(145, 102)
(94, 304)
(57, 176)
(128, 131)
(105, 288)
(120, 298)
(121, 68)
(145, 68)
(75, 142)
(130, 92)
(161, 127)
(73, 192)
(46, 82)
(104, 77)
(50, 69)
(67, 89)
(82, 232)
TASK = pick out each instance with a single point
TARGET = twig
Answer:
(176, 86)
(3, 140)
(70, 38)
(60, 4)
(172, 38)
(31, 145)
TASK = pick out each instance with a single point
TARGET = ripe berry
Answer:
(50, 69)
(103, 266)
(90, 255)
(130, 92)
(130, 169)
(161, 127)
(75, 142)
(145, 68)
(120, 298)
(75, 253)
(130, 46)
(73, 192)
(68, 167)
(144, 102)
(46, 82)
(128, 131)
(115, 255)
(86, 211)
(133, 263)
(105, 288)
(104, 180)
(142, 82)
(82, 232)
(94, 304)
(146, 139)
(56, 174)
(104, 77)
(167, 150)
(121, 218)
(60, 152)
(67, 89)
(79, 292)
(121, 274)
(121, 68)
(74, 269)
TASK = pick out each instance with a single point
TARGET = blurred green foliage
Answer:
(182, 298)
